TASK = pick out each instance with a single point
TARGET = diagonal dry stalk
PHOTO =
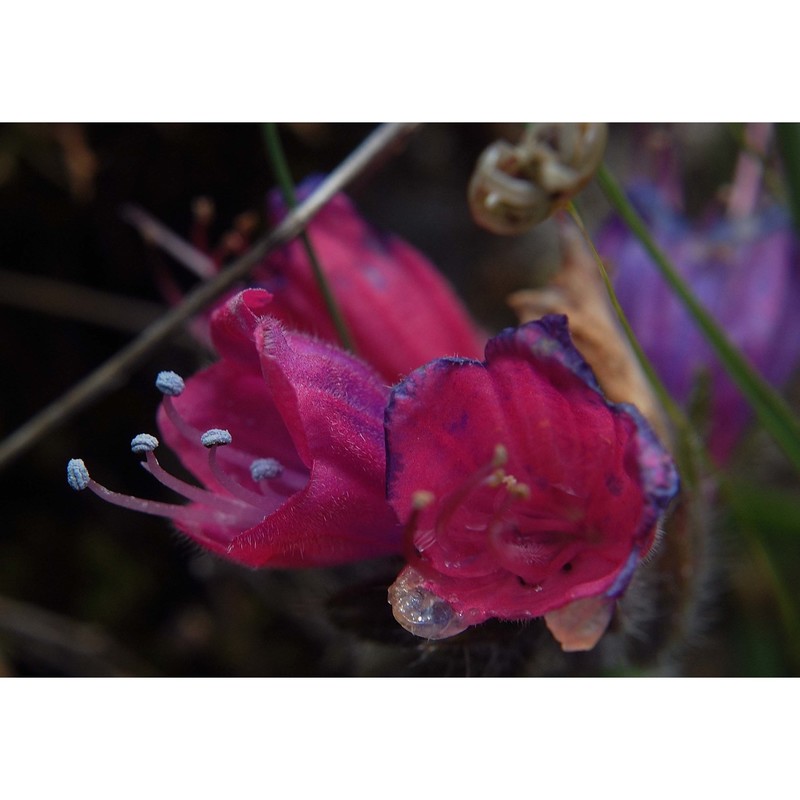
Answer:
(380, 142)
(68, 646)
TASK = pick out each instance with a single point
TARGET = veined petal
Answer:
(332, 402)
(335, 519)
(579, 625)
(521, 487)
(227, 396)
(310, 411)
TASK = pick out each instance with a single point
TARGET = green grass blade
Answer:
(770, 407)
(284, 177)
(688, 453)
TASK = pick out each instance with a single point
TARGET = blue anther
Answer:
(170, 383)
(143, 443)
(215, 437)
(265, 468)
(77, 474)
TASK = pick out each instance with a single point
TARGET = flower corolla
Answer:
(523, 492)
(285, 434)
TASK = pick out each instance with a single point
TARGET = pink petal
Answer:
(398, 308)
(582, 482)
(580, 625)
(315, 409)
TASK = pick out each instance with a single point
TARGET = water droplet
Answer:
(420, 611)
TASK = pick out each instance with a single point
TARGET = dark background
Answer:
(89, 589)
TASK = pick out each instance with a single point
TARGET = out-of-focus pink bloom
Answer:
(523, 492)
(399, 310)
(745, 272)
(285, 433)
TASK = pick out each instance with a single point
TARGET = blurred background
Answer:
(88, 589)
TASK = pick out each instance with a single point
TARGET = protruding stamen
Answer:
(264, 469)
(274, 478)
(500, 457)
(213, 439)
(421, 499)
(246, 223)
(203, 213)
(190, 492)
(216, 437)
(520, 491)
(77, 474)
(490, 475)
(78, 478)
(415, 543)
(170, 384)
(452, 501)
(203, 210)
(143, 443)
(496, 478)
(424, 540)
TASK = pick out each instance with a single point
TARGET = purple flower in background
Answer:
(743, 269)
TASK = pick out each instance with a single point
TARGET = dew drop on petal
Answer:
(420, 611)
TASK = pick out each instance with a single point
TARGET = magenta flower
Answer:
(285, 433)
(745, 272)
(399, 310)
(523, 492)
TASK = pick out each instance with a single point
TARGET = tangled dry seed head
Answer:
(515, 187)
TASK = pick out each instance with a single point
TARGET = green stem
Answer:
(690, 450)
(693, 458)
(770, 407)
(785, 600)
(284, 177)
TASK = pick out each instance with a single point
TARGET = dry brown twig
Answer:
(379, 143)
(54, 641)
(81, 303)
